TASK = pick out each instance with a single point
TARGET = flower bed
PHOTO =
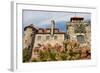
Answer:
(70, 50)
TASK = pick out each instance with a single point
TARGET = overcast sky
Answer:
(42, 19)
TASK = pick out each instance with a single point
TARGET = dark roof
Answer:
(44, 31)
(76, 18)
(50, 33)
(31, 26)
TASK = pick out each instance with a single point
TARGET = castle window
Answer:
(55, 37)
(80, 38)
(80, 28)
(47, 37)
(25, 41)
(39, 38)
(31, 35)
(68, 36)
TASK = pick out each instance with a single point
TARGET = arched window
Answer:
(80, 38)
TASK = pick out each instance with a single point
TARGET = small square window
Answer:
(80, 38)
(55, 37)
(39, 38)
(47, 37)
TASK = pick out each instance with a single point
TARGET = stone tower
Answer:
(79, 30)
(29, 36)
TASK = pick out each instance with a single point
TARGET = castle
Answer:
(77, 29)
(33, 36)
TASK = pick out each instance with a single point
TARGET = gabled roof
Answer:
(31, 26)
(45, 31)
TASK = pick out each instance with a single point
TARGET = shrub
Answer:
(70, 51)
(26, 55)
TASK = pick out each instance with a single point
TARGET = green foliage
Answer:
(35, 60)
(71, 51)
(52, 55)
(26, 55)
(63, 56)
(44, 55)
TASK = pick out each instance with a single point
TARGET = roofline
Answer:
(30, 26)
(54, 33)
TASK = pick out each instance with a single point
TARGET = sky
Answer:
(42, 19)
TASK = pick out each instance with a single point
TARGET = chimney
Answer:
(52, 27)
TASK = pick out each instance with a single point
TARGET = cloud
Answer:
(43, 18)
